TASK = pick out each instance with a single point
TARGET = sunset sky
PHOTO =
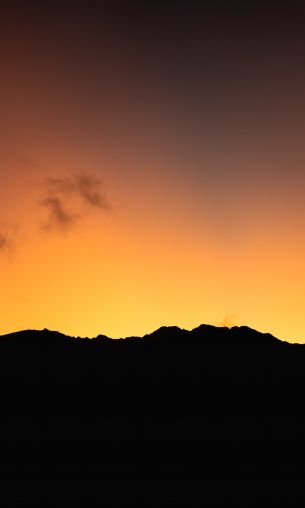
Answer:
(152, 164)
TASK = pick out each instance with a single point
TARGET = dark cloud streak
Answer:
(75, 192)
(84, 186)
(59, 218)
(8, 235)
(4, 242)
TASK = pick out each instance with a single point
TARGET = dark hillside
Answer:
(228, 400)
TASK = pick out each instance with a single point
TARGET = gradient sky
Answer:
(152, 165)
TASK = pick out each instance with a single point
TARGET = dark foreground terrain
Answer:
(176, 418)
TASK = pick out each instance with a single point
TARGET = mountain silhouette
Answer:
(211, 403)
(202, 336)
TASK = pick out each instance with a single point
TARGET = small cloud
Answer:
(84, 186)
(4, 242)
(78, 192)
(88, 188)
(8, 233)
(229, 321)
(59, 219)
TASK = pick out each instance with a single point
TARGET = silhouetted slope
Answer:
(229, 400)
(202, 336)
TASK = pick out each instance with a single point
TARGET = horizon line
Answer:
(148, 334)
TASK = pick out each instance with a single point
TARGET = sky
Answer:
(152, 166)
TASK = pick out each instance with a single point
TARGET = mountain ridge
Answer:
(203, 335)
(217, 397)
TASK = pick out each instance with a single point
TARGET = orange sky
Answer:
(127, 204)
(147, 262)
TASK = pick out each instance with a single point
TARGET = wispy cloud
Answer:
(4, 242)
(59, 219)
(84, 186)
(8, 234)
(89, 189)
(67, 200)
